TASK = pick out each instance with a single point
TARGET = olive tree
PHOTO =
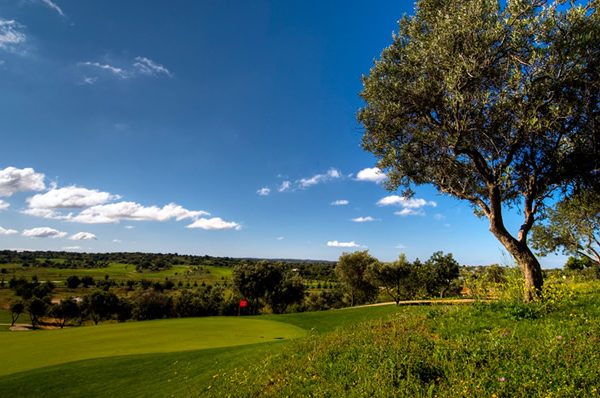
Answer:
(351, 271)
(573, 225)
(494, 104)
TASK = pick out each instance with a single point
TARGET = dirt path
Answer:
(423, 302)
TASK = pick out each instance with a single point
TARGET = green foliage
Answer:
(16, 309)
(441, 270)
(201, 302)
(393, 277)
(100, 305)
(152, 304)
(578, 263)
(269, 283)
(65, 310)
(36, 307)
(573, 225)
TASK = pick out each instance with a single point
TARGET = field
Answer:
(502, 349)
(122, 272)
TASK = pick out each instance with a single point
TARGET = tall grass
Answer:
(478, 351)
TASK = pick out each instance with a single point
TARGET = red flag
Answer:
(243, 303)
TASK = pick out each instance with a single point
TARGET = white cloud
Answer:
(107, 68)
(4, 205)
(264, 191)
(14, 180)
(117, 241)
(335, 243)
(280, 238)
(141, 66)
(412, 203)
(129, 227)
(115, 212)
(400, 246)
(44, 232)
(373, 174)
(285, 186)
(11, 35)
(4, 231)
(69, 197)
(146, 66)
(319, 178)
(45, 213)
(407, 211)
(214, 223)
(83, 236)
(54, 6)
(340, 202)
(363, 219)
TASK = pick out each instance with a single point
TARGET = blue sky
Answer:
(225, 128)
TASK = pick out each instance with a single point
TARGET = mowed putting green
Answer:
(22, 351)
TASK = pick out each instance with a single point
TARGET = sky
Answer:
(215, 127)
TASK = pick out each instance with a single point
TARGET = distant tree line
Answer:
(308, 269)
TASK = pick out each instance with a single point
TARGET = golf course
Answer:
(153, 358)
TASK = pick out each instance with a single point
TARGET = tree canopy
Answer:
(573, 226)
(495, 105)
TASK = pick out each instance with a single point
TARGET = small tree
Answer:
(442, 271)
(64, 311)
(16, 309)
(495, 105)
(100, 305)
(351, 270)
(36, 307)
(73, 282)
(290, 290)
(392, 277)
(578, 263)
(573, 225)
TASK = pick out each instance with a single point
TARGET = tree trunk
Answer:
(527, 262)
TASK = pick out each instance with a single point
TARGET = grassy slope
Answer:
(500, 350)
(29, 350)
(164, 374)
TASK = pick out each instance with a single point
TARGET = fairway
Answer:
(22, 351)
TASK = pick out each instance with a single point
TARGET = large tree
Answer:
(495, 105)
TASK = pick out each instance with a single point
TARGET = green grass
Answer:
(504, 349)
(325, 321)
(470, 351)
(183, 373)
(119, 272)
(179, 374)
(29, 350)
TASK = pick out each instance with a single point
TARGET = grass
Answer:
(120, 272)
(179, 373)
(471, 351)
(30, 350)
(485, 350)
